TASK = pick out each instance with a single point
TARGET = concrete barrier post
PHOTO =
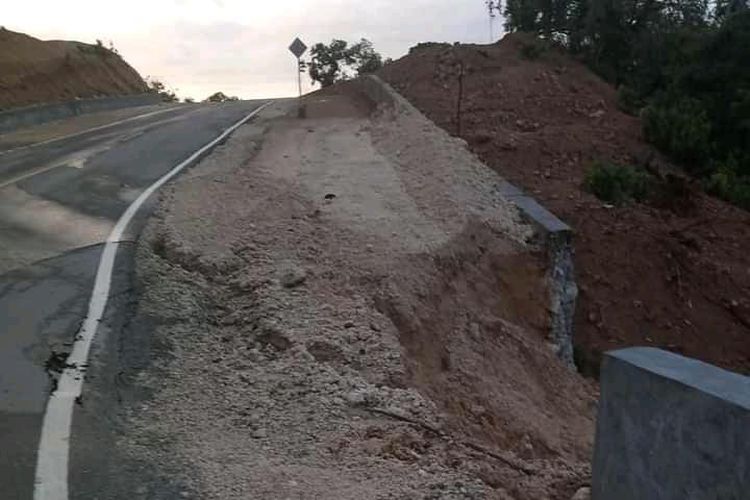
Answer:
(670, 428)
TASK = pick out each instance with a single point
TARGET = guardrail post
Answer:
(670, 428)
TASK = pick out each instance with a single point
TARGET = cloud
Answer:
(240, 46)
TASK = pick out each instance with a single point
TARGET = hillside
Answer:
(33, 71)
(672, 272)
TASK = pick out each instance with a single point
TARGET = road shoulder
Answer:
(340, 309)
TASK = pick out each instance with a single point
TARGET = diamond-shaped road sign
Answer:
(298, 48)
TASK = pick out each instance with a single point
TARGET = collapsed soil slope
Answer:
(33, 71)
(353, 312)
(677, 277)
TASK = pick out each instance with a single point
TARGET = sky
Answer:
(240, 47)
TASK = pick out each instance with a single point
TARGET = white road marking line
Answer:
(75, 160)
(51, 482)
(94, 129)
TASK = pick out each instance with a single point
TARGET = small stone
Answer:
(582, 494)
(271, 336)
(349, 324)
(355, 398)
(260, 433)
(293, 277)
(478, 410)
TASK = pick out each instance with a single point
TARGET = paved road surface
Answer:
(58, 203)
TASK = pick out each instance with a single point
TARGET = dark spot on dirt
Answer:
(324, 352)
(274, 338)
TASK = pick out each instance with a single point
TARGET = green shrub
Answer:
(682, 130)
(726, 184)
(628, 100)
(618, 184)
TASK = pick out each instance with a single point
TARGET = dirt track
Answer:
(353, 313)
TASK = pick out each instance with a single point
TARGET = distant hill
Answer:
(33, 71)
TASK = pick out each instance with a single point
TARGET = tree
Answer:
(683, 63)
(725, 8)
(221, 97)
(366, 60)
(155, 86)
(521, 15)
(338, 61)
(551, 19)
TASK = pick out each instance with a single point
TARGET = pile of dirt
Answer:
(673, 273)
(33, 71)
(353, 313)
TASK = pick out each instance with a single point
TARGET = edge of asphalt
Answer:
(51, 478)
(96, 128)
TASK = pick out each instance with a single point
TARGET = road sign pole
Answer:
(299, 76)
(298, 48)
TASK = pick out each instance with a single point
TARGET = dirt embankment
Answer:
(673, 275)
(354, 313)
(33, 71)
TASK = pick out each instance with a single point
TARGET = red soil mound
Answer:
(676, 275)
(34, 71)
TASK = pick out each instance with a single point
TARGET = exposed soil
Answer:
(674, 273)
(353, 313)
(33, 71)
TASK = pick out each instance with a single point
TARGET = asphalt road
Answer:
(58, 203)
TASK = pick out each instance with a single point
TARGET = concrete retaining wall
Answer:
(35, 115)
(671, 428)
(556, 236)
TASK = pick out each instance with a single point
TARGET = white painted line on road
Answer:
(76, 158)
(51, 481)
(93, 129)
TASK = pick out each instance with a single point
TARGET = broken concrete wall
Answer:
(554, 235)
(670, 428)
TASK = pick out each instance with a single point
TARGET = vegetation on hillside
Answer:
(340, 61)
(683, 65)
(618, 184)
(156, 86)
(221, 97)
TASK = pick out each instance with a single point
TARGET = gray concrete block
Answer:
(36, 115)
(671, 428)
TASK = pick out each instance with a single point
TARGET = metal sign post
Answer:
(298, 48)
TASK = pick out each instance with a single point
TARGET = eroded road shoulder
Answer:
(352, 312)
(43, 302)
